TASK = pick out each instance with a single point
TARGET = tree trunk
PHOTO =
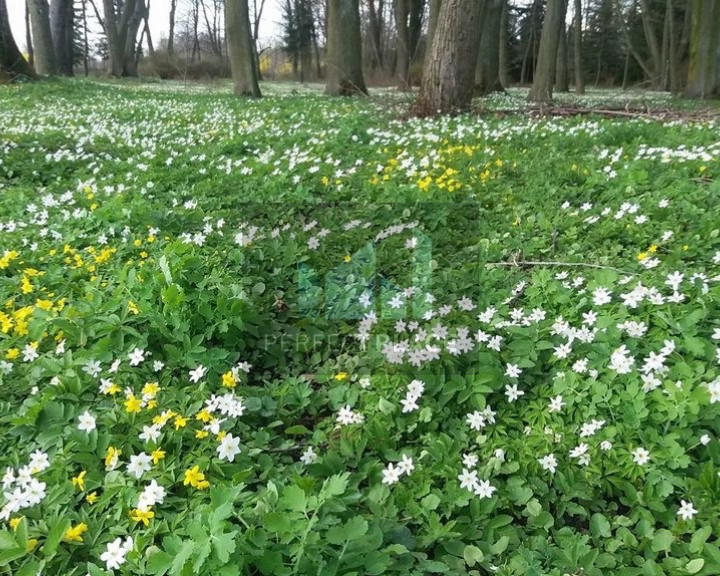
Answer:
(344, 49)
(402, 49)
(375, 36)
(28, 36)
(415, 20)
(44, 51)
(544, 77)
(652, 43)
(487, 70)
(12, 63)
(432, 26)
(447, 84)
(562, 77)
(504, 56)
(133, 26)
(703, 74)
(61, 24)
(171, 33)
(578, 50)
(239, 38)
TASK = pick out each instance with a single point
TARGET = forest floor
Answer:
(305, 335)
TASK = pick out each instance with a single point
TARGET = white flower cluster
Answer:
(152, 495)
(392, 474)
(20, 489)
(414, 392)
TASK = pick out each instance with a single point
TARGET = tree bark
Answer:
(562, 77)
(402, 48)
(578, 50)
(447, 85)
(44, 51)
(544, 77)
(171, 32)
(703, 73)
(61, 24)
(344, 49)
(239, 38)
(375, 25)
(652, 43)
(28, 36)
(487, 70)
(12, 63)
(432, 26)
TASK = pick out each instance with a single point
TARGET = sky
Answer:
(159, 12)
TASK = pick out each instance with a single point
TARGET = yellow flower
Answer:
(133, 404)
(27, 286)
(12, 353)
(653, 248)
(75, 534)
(157, 455)
(203, 416)
(79, 481)
(43, 304)
(91, 498)
(150, 389)
(143, 516)
(15, 522)
(202, 434)
(340, 376)
(31, 544)
(111, 457)
(132, 307)
(642, 256)
(228, 379)
(180, 422)
(195, 478)
(138, 242)
(347, 258)
(112, 389)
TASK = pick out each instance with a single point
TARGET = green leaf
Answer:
(599, 526)
(224, 545)
(54, 536)
(473, 555)
(335, 485)
(500, 546)
(355, 528)
(181, 557)
(698, 539)
(662, 540)
(694, 566)
(294, 498)
(158, 561)
(7, 540)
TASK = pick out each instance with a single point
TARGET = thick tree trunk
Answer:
(544, 78)
(487, 70)
(133, 26)
(12, 63)
(577, 49)
(44, 51)
(562, 76)
(239, 38)
(703, 72)
(344, 49)
(432, 26)
(415, 20)
(61, 24)
(447, 84)
(402, 49)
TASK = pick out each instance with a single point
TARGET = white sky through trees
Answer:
(270, 26)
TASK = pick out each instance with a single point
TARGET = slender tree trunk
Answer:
(61, 24)
(504, 56)
(132, 27)
(544, 77)
(28, 36)
(652, 43)
(86, 45)
(415, 20)
(344, 49)
(402, 50)
(578, 49)
(239, 37)
(447, 84)
(562, 77)
(12, 63)
(487, 70)
(703, 74)
(171, 32)
(45, 62)
(375, 36)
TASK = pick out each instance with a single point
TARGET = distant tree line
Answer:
(452, 49)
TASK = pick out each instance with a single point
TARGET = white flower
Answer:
(549, 463)
(470, 460)
(556, 404)
(30, 353)
(512, 371)
(641, 456)
(86, 422)
(686, 511)
(198, 373)
(139, 464)
(475, 420)
(391, 474)
(605, 445)
(406, 465)
(229, 447)
(92, 367)
(484, 489)
(150, 433)
(513, 393)
(468, 479)
(705, 439)
(309, 456)
(117, 550)
(136, 357)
